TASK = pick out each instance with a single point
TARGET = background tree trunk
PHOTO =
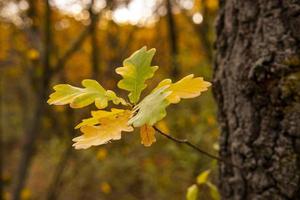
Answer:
(173, 40)
(257, 88)
(32, 133)
(94, 41)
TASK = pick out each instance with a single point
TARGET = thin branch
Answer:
(69, 52)
(186, 142)
(75, 45)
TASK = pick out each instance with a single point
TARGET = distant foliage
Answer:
(105, 126)
(202, 180)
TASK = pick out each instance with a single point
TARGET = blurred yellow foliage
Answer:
(7, 196)
(105, 187)
(212, 5)
(33, 54)
(163, 126)
(101, 154)
(59, 108)
(211, 120)
(26, 194)
(216, 146)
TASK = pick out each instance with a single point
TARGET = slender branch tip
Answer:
(186, 142)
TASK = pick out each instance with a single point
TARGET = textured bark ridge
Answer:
(257, 88)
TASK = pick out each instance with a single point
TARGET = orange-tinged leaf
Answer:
(110, 128)
(147, 135)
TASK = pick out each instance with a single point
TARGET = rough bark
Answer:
(257, 88)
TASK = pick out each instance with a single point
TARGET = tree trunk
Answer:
(28, 148)
(94, 41)
(257, 88)
(173, 40)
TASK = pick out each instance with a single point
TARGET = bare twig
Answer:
(202, 31)
(186, 142)
(75, 45)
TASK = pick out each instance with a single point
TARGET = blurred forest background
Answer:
(46, 42)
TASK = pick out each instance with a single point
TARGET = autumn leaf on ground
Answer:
(151, 109)
(109, 128)
(187, 87)
(80, 97)
(147, 135)
(136, 70)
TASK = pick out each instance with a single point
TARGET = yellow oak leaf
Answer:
(187, 87)
(98, 115)
(109, 128)
(147, 135)
(77, 97)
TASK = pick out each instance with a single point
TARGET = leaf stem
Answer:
(186, 142)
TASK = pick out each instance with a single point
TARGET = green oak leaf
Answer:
(81, 97)
(151, 109)
(135, 71)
